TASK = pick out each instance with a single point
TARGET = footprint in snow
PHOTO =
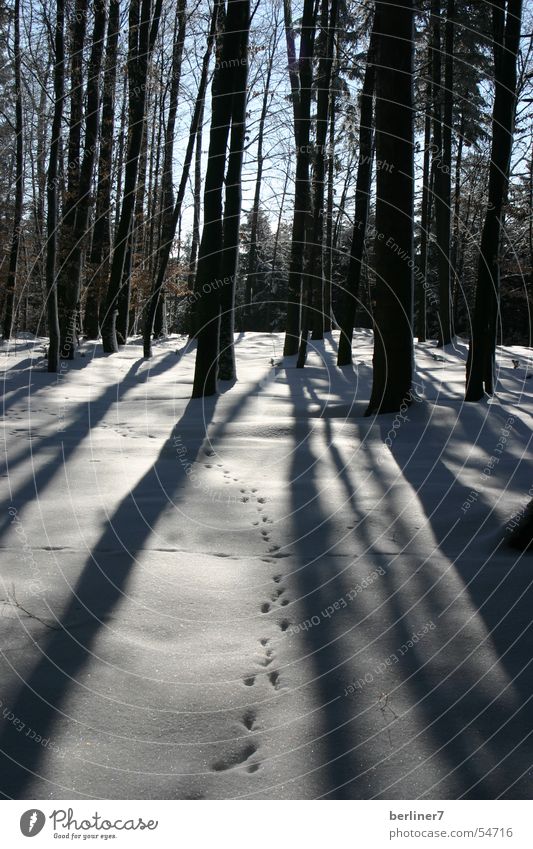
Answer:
(274, 680)
(248, 719)
(235, 759)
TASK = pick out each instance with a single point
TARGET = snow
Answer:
(216, 599)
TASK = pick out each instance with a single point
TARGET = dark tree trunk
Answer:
(195, 126)
(362, 203)
(197, 203)
(142, 33)
(315, 278)
(66, 243)
(19, 182)
(425, 221)
(456, 227)
(232, 209)
(52, 191)
(301, 79)
(442, 157)
(77, 229)
(101, 231)
(167, 230)
(480, 365)
(328, 270)
(393, 339)
(252, 254)
(211, 246)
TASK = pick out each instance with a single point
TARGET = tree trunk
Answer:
(328, 24)
(301, 86)
(212, 243)
(77, 229)
(232, 209)
(195, 126)
(167, 230)
(393, 339)
(481, 355)
(362, 203)
(51, 189)
(101, 231)
(252, 254)
(19, 182)
(142, 34)
(425, 220)
(66, 242)
(197, 203)
(442, 156)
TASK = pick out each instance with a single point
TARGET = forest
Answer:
(266, 287)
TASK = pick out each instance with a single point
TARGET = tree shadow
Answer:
(479, 714)
(66, 441)
(68, 649)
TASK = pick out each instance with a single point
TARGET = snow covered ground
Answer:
(265, 594)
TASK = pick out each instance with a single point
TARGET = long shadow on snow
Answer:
(67, 441)
(98, 590)
(317, 587)
(478, 726)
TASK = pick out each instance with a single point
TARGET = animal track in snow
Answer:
(265, 607)
(249, 681)
(249, 718)
(284, 624)
(235, 758)
(274, 680)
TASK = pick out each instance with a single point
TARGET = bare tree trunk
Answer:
(507, 18)
(19, 182)
(252, 254)
(328, 23)
(362, 205)
(232, 208)
(52, 190)
(167, 230)
(196, 207)
(195, 126)
(212, 244)
(101, 243)
(442, 158)
(77, 229)
(66, 242)
(425, 219)
(301, 79)
(142, 34)
(393, 339)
